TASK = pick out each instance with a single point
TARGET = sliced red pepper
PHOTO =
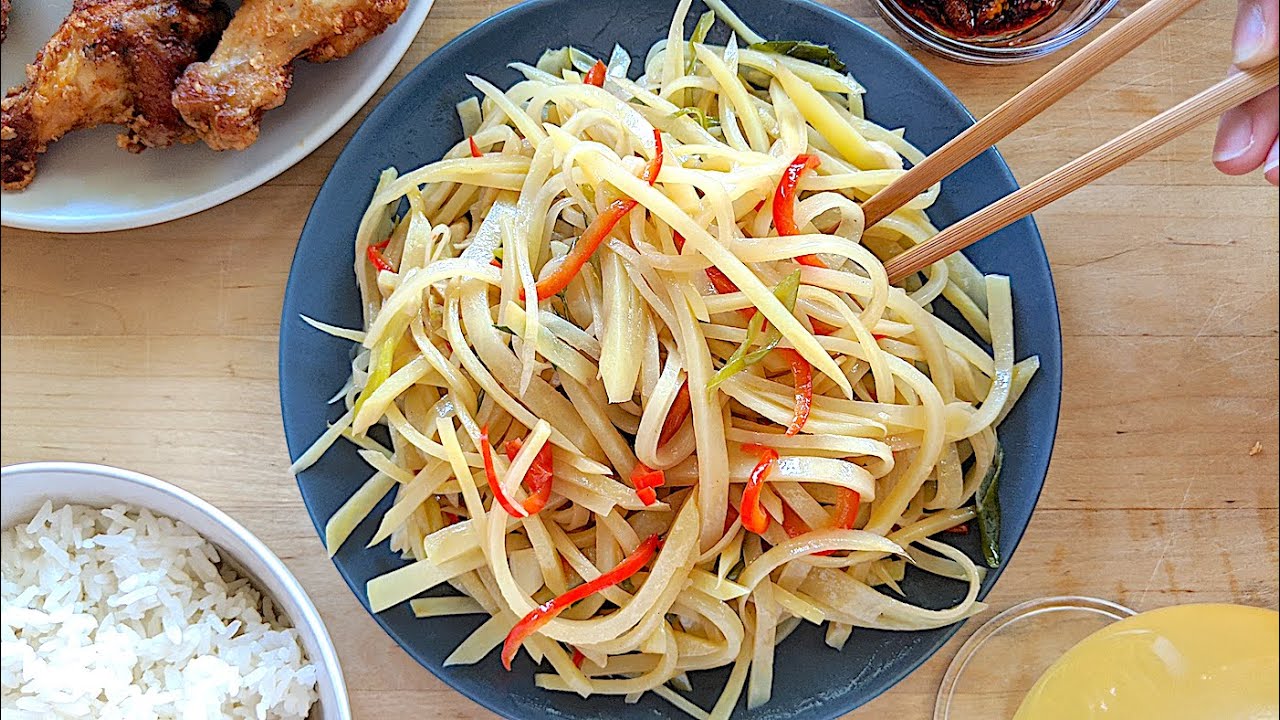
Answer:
(821, 328)
(791, 522)
(547, 611)
(596, 232)
(578, 658)
(961, 529)
(803, 373)
(486, 452)
(679, 412)
(643, 476)
(538, 479)
(729, 516)
(847, 504)
(795, 527)
(450, 518)
(582, 251)
(475, 149)
(595, 76)
(846, 515)
(496, 263)
(721, 282)
(650, 173)
(645, 479)
(754, 517)
(377, 259)
(784, 203)
(648, 496)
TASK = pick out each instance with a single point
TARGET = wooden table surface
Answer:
(155, 350)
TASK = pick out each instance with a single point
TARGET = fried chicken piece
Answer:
(252, 68)
(4, 19)
(111, 62)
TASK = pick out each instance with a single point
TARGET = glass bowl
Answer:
(1001, 661)
(1070, 21)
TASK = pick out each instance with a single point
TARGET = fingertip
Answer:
(1233, 148)
(1257, 32)
(1271, 168)
(1246, 135)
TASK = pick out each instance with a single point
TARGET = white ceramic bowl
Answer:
(24, 489)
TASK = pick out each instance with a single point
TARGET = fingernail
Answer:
(1273, 162)
(1250, 34)
(1235, 135)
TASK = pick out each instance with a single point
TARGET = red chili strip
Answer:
(595, 76)
(729, 516)
(795, 527)
(645, 479)
(803, 373)
(596, 233)
(847, 504)
(846, 514)
(784, 203)
(578, 658)
(721, 282)
(475, 149)
(486, 452)
(791, 522)
(754, 517)
(821, 328)
(643, 476)
(681, 406)
(538, 479)
(377, 259)
(547, 611)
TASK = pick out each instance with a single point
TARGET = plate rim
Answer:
(830, 710)
(415, 15)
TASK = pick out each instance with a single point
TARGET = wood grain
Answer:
(1187, 115)
(155, 350)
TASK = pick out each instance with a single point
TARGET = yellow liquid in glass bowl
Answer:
(1187, 662)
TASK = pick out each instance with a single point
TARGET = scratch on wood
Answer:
(1164, 551)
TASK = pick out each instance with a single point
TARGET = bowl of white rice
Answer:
(124, 597)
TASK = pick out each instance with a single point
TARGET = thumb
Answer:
(1257, 29)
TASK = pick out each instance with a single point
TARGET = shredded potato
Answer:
(649, 309)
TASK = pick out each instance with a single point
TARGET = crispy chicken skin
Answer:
(4, 19)
(111, 62)
(251, 70)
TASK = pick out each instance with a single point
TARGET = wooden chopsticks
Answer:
(1149, 135)
(1031, 101)
(1051, 87)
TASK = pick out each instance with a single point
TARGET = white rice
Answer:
(120, 614)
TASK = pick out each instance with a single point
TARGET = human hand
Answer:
(1247, 134)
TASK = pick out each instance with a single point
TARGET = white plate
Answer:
(84, 183)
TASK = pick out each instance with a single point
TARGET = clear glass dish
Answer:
(1000, 662)
(1069, 22)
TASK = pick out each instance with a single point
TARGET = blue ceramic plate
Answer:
(416, 123)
